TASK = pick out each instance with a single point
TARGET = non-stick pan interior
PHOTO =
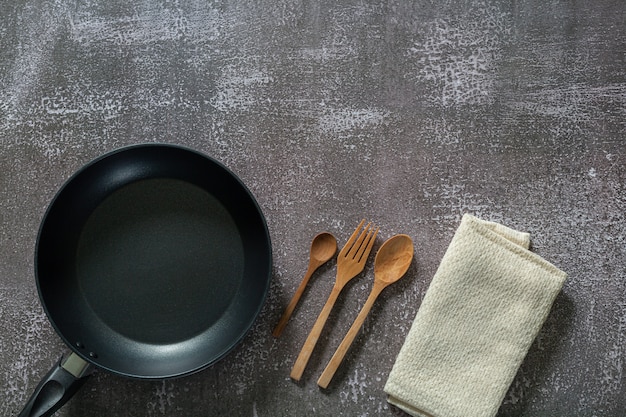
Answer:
(153, 261)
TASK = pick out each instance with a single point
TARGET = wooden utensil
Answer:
(392, 261)
(350, 262)
(323, 248)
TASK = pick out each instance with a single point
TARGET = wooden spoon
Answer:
(323, 248)
(392, 261)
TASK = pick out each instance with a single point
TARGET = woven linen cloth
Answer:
(481, 312)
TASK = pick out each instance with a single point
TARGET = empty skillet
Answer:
(152, 262)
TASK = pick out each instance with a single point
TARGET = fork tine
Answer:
(359, 242)
(349, 243)
(366, 247)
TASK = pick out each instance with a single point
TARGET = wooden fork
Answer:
(350, 262)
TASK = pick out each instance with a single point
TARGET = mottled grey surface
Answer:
(407, 113)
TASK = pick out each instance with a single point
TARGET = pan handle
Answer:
(57, 387)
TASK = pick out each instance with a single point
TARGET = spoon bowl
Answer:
(393, 259)
(323, 247)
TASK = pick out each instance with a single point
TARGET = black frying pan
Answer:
(152, 261)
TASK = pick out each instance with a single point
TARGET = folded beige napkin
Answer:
(483, 309)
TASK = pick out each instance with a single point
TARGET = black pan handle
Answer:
(57, 387)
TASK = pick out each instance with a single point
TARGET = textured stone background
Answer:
(407, 113)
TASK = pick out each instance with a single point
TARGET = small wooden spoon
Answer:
(323, 248)
(392, 261)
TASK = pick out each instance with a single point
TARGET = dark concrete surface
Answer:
(406, 113)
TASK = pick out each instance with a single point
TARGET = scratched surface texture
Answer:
(408, 113)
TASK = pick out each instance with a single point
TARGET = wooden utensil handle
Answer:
(311, 341)
(341, 351)
(294, 301)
